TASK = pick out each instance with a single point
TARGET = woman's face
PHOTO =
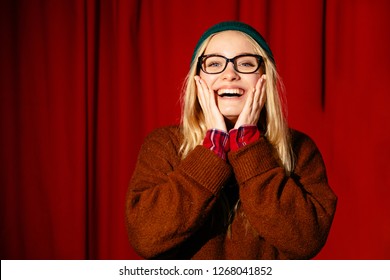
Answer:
(230, 44)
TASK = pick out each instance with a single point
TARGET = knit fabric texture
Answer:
(185, 208)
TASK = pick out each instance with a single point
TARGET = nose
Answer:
(230, 73)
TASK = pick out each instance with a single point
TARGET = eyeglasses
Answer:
(244, 63)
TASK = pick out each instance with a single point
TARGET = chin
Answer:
(230, 113)
(231, 117)
(231, 108)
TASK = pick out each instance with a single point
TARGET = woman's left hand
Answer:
(253, 105)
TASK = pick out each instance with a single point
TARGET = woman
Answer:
(232, 181)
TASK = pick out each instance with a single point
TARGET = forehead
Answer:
(229, 43)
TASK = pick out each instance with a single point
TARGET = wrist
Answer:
(242, 136)
(217, 141)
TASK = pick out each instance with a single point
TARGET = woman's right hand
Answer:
(213, 117)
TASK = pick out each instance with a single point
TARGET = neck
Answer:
(230, 123)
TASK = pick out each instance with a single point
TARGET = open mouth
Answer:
(230, 92)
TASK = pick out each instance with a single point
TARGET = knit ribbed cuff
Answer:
(252, 160)
(206, 169)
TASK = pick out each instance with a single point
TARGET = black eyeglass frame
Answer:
(233, 60)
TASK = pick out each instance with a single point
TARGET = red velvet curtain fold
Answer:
(83, 82)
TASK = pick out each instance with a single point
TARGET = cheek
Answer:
(252, 81)
(207, 78)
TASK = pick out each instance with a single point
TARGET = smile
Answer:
(230, 92)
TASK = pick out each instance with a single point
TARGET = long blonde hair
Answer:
(272, 121)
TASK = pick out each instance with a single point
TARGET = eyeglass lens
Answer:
(217, 64)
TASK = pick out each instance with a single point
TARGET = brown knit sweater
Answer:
(187, 209)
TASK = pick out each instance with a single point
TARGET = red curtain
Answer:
(83, 82)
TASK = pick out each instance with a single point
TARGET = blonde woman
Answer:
(232, 181)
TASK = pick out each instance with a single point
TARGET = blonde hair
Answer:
(273, 120)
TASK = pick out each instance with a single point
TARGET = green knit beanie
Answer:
(238, 26)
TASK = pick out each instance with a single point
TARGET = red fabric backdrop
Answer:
(82, 83)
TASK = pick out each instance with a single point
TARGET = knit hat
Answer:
(238, 26)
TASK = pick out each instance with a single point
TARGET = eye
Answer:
(247, 63)
(212, 62)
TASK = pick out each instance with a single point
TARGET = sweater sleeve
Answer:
(169, 198)
(292, 213)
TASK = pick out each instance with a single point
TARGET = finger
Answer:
(202, 91)
(245, 115)
(208, 95)
(258, 89)
(213, 116)
(249, 103)
(263, 95)
(203, 101)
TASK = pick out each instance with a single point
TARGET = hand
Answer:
(206, 97)
(253, 105)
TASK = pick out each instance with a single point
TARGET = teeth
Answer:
(230, 91)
